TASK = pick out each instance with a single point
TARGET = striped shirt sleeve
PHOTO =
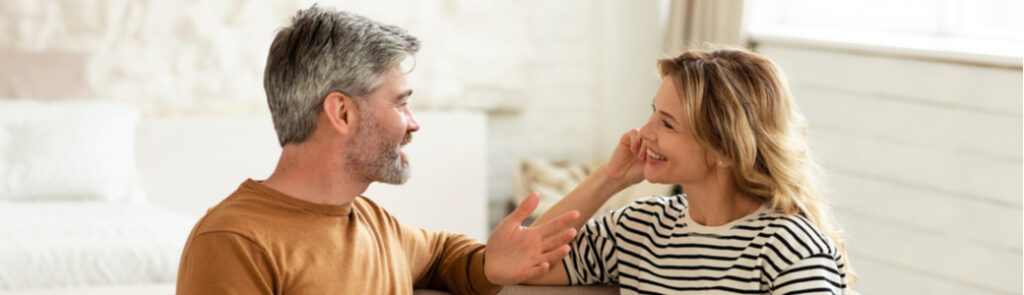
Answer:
(816, 274)
(592, 258)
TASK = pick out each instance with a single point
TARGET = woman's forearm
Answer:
(589, 196)
(586, 198)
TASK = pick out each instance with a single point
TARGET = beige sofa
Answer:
(543, 290)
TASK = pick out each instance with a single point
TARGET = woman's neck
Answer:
(718, 202)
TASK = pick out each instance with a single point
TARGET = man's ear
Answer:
(340, 111)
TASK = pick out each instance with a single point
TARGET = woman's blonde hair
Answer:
(736, 104)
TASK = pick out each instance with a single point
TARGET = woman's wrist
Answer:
(607, 185)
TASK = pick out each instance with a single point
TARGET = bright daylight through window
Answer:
(986, 29)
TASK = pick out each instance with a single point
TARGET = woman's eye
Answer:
(666, 124)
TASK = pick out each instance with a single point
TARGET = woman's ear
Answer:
(713, 160)
(340, 110)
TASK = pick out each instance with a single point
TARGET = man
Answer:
(337, 93)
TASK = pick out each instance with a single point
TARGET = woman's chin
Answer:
(653, 177)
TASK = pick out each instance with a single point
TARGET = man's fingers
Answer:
(560, 239)
(557, 254)
(524, 209)
(557, 225)
(536, 270)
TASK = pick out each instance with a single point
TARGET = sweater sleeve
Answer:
(224, 263)
(453, 262)
(817, 274)
(592, 259)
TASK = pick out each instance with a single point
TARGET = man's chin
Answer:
(396, 177)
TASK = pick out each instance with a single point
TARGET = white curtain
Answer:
(697, 23)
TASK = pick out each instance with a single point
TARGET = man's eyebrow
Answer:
(403, 95)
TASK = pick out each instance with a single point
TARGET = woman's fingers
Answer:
(632, 138)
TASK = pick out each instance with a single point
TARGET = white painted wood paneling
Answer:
(876, 277)
(923, 166)
(986, 224)
(970, 87)
(933, 255)
(934, 126)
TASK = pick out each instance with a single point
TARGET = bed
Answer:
(75, 243)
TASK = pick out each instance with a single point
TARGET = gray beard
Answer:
(377, 159)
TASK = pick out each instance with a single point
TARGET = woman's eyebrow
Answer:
(664, 113)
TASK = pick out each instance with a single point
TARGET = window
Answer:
(992, 28)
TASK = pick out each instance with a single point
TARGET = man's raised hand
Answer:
(515, 253)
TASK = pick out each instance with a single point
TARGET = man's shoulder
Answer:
(240, 213)
(370, 210)
(365, 204)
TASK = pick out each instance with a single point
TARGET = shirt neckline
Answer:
(753, 215)
(334, 210)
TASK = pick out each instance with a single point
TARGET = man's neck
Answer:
(319, 180)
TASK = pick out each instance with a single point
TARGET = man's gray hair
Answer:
(322, 51)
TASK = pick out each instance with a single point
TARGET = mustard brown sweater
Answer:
(261, 241)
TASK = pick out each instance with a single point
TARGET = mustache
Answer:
(407, 138)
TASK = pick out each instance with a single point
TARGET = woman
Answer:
(726, 129)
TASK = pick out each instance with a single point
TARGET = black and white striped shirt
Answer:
(653, 247)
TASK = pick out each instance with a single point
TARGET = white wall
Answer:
(592, 78)
(188, 57)
(924, 165)
(558, 79)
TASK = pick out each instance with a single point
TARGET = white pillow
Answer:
(69, 150)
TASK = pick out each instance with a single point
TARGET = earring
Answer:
(721, 163)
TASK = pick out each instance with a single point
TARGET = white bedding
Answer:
(88, 243)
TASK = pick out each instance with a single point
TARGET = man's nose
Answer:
(413, 126)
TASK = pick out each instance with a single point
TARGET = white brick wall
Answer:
(591, 78)
(560, 79)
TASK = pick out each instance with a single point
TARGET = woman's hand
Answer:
(627, 162)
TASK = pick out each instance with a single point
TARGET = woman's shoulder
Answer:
(797, 236)
(653, 207)
(795, 249)
(658, 203)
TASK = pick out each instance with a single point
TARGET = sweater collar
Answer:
(337, 210)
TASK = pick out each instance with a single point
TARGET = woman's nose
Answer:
(646, 132)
